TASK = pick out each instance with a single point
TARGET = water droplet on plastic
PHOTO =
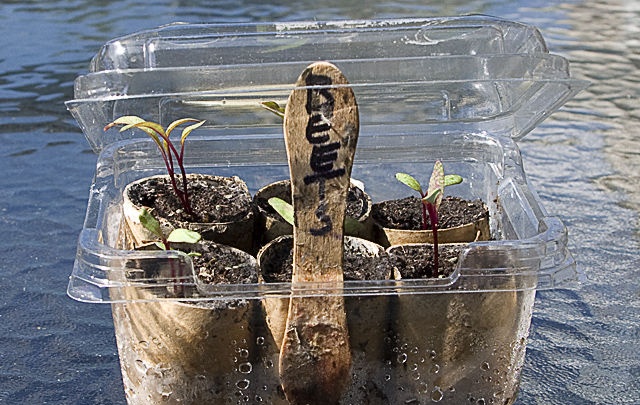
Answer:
(244, 353)
(245, 368)
(435, 368)
(436, 395)
(481, 401)
(423, 388)
(144, 344)
(485, 366)
(402, 358)
(260, 340)
(433, 354)
(258, 398)
(243, 384)
(268, 364)
(141, 365)
(387, 377)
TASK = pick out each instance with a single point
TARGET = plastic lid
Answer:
(185, 45)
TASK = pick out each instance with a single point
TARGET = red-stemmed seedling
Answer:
(170, 154)
(431, 200)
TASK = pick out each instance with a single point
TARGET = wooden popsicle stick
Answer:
(321, 127)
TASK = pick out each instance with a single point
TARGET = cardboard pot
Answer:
(471, 345)
(367, 318)
(175, 351)
(234, 233)
(270, 225)
(478, 230)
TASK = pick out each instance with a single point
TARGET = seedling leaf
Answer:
(410, 181)
(274, 108)
(452, 179)
(189, 129)
(182, 235)
(437, 182)
(151, 223)
(283, 208)
(431, 198)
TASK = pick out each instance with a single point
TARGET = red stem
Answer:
(183, 194)
(433, 214)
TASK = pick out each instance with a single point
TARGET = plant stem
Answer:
(183, 194)
(433, 214)
(424, 214)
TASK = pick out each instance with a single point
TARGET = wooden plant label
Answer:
(321, 127)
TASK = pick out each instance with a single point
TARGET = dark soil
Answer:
(219, 264)
(356, 267)
(357, 203)
(416, 261)
(406, 213)
(220, 199)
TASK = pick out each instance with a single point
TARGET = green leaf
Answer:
(160, 245)
(436, 182)
(410, 181)
(147, 126)
(187, 130)
(283, 208)
(452, 179)
(274, 108)
(182, 235)
(352, 226)
(177, 123)
(431, 198)
(151, 223)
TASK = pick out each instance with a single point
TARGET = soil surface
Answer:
(218, 199)
(357, 203)
(416, 261)
(220, 264)
(406, 213)
(356, 267)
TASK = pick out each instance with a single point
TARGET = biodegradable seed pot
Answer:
(368, 318)
(223, 208)
(175, 351)
(476, 341)
(270, 225)
(398, 221)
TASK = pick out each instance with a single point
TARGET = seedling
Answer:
(431, 199)
(285, 210)
(176, 236)
(170, 154)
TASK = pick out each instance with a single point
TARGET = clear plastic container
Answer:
(119, 83)
(217, 44)
(446, 340)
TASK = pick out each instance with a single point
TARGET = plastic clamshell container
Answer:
(131, 82)
(182, 45)
(448, 339)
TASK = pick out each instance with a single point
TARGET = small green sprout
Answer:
(168, 150)
(285, 210)
(431, 199)
(176, 236)
(274, 108)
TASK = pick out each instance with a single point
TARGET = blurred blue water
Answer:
(584, 162)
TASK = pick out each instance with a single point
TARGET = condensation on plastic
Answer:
(178, 44)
